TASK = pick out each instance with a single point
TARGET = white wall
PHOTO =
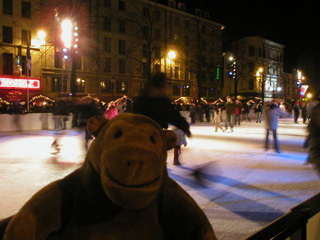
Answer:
(31, 121)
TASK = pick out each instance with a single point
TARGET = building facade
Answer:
(113, 48)
(18, 22)
(258, 66)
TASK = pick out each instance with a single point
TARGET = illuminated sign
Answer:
(19, 83)
(303, 90)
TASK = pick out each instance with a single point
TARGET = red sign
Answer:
(19, 83)
(303, 90)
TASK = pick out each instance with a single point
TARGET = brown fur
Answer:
(122, 191)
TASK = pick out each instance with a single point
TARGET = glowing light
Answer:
(42, 35)
(66, 35)
(172, 55)
(309, 95)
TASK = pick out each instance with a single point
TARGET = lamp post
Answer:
(171, 56)
(259, 74)
(66, 37)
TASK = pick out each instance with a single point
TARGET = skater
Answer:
(154, 103)
(272, 114)
(230, 111)
(111, 111)
(181, 140)
(217, 120)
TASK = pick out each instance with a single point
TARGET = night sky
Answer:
(294, 24)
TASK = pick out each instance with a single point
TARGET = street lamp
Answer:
(171, 56)
(259, 74)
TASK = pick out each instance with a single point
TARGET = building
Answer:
(255, 68)
(112, 47)
(18, 26)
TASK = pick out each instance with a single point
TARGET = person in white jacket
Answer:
(272, 114)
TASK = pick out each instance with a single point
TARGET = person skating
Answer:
(217, 120)
(181, 140)
(272, 114)
(230, 111)
(154, 103)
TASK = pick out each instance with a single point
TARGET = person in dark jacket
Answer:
(258, 111)
(296, 112)
(313, 141)
(238, 111)
(82, 112)
(230, 108)
(154, 103)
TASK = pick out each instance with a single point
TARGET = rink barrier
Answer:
(302, 221)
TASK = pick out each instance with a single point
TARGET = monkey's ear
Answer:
(95, 124)
(171, 139)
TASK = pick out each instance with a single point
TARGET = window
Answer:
(56, 84)
(176, 90)
(157, 15)
(77, 62)
(251, 67)
(146, 12)
(122, 66)
(58, 59)
(107, 24)
(157, 68)
(172, 4)
(176, 21)
(7, 36)
(187, 75)
(186, 90)
(204, 44)
(157, 34)
(211, 93)
(24, 37)
(251, 84)
(145, 32)
(7, 63)
(206, 15)
(26, 9)
(107, 45)
(24, 65)
(122, 47)
(203, 61)
(122, 87)
(81, 85)
(145, 50)
(122, 5)
(203, 28)
(187, 41)
(186, 24)
(157, 52)
(7, 7)
(176, 72)
(198, 12)
(251, 51)
(145, 69)
(107, 65)
(176, 37)
(106, 86)
(122, 26)
(107, 3)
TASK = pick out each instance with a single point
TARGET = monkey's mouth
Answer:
(132, 185)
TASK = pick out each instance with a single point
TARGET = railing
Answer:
(293, 225)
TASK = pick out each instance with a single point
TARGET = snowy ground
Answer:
(244, 188)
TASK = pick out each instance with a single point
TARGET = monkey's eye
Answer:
(118, 134)
(152, 139)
